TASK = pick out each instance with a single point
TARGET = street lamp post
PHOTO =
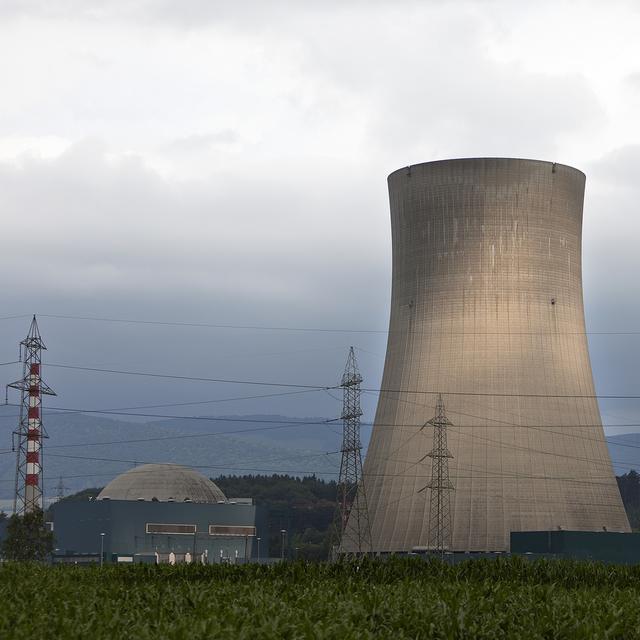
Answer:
(101, 549)
(258, 541)
(283, 533)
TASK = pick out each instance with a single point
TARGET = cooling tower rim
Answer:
(483, 158)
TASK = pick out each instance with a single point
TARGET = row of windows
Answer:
(191, 529)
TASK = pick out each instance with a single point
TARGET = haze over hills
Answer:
(232, 445)
(624, 449)
(74, 452)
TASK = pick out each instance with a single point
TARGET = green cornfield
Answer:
(399, 598)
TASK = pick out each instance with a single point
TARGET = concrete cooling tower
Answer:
(487, 310)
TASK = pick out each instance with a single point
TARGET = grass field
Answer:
(401, 598)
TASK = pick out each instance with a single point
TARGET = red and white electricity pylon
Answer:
(30, 432)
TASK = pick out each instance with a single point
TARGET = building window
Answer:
(230, 530)
(180, 529)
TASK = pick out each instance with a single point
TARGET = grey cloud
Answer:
(620, 167)
(440, 95)
(612, 228)
(294, 230)
(108, 226)
(525, 113)
(612, 290)
(270, 247)
(249, 247)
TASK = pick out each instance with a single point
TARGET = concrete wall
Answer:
(487, 299)
(78, 525)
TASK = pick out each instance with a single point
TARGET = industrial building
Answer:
(600, 546)
(159, 513)
(487, 310)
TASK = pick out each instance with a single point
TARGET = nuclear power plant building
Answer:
(487, 309)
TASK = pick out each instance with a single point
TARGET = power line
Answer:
(504, 424)
(510, 425)
(517, 416)
(499, 475)
(188, 435)
(180, 404)
(516, 447)
(327, 421)
(571, 502)
(388, 458)
(138, 462)
(508, 395)
(176, 417)
(208, 325)
(413, 463)
(191, 403)
(192, 378)
(333, 386)
(110, 475)
(215, 401)
(306, 472)
(286, 424)
(496, 475)
(310, 388)
(195, 466)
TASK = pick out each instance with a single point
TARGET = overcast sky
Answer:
(226, 163)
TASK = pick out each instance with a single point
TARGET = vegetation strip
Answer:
(399, 598)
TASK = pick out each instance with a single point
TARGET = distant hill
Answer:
(276, 447)
(273, 430)
(253, 444)
(625, 452)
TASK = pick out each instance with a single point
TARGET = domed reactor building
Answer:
(486, 309)
(158, 513)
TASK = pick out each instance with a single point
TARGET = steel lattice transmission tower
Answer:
(353, 515)
(60, 489)
(30, 432)
(439, 538)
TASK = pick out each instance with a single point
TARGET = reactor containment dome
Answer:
(487, 310)
(162, 483)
